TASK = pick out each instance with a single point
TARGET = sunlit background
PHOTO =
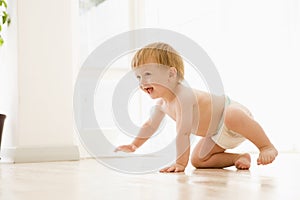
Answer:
(255, 46)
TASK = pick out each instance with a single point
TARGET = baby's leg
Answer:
(237, 120)
(207, 154)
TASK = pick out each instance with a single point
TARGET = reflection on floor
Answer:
(88, 179)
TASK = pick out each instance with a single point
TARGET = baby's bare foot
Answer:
(267, 155)
(243, 161)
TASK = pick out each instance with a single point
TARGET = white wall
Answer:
(44, 127)
(8, 77)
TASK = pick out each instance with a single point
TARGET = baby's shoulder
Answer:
(189, 95)
(159, 102)
(161, 106)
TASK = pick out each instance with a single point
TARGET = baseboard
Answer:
(39, 154)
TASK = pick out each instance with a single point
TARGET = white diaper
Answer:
(226, 138)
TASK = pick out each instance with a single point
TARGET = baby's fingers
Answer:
(121, 148)
(164, 169)
(117, 149)
(171, 169)
(167, 169)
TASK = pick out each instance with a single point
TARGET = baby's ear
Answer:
(172, 72)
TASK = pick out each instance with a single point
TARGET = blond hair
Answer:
(160, 53)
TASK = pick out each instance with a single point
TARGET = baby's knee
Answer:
(199, 161)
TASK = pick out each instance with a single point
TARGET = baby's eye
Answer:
(138, 77)
(147, 74)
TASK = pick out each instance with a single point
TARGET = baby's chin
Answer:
(154, 96)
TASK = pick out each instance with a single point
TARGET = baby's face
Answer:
(153, 79)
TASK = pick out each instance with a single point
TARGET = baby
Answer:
(221, 122)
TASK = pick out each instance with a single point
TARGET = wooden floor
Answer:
(87, 179)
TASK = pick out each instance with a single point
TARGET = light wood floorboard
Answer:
(88, 179)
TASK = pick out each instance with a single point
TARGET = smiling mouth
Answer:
(149, 90)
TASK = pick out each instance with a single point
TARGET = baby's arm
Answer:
(147, 130)
(183, 126)
(149, 127)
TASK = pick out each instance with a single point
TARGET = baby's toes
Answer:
(258, 161)
(261, 160)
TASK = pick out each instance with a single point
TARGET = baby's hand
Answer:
(173, 168)
(126, 148)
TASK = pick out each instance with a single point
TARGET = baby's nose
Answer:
(142, 81)
(142, 85)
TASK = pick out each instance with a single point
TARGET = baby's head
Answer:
(159, 53)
